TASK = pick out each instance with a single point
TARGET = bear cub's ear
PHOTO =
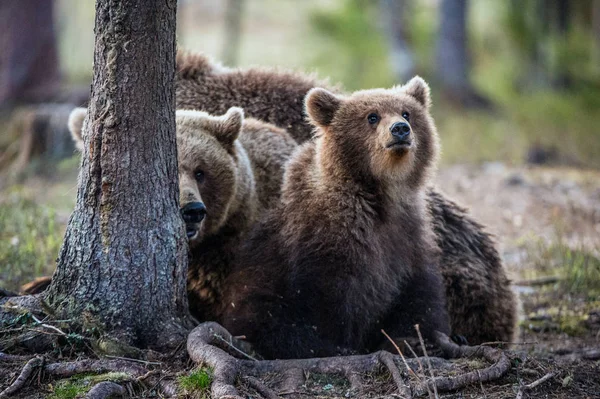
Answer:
(419, 89)
(225, 128)
(228, 127)
(321, 105)
(76, 119)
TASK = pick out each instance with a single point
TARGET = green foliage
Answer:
(352, 49)
(198, 381)
(578, 268)
(565, 122)
(29, 240)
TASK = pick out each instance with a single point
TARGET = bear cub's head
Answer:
(383, 133)
(213, 167)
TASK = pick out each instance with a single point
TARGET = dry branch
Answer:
(534, 384)
(203, 349)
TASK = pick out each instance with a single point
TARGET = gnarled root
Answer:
(203, 348)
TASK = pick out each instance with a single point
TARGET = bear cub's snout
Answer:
(401, 137)
(193, 213)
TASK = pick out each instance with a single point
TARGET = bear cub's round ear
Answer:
(321, 105)
(76, 119)
(229, 126)
(419, 89)
(225, 128)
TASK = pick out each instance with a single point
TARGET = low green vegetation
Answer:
(79, 385)
(197, 382)
(29, 240)
(577, 269)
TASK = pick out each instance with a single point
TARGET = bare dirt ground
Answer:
(547, 221)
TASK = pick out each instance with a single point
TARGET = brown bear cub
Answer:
(349, 250)
(230, 171)
(481, 305)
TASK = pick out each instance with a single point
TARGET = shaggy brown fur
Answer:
(235, 168)
(274, 96)
(469, 255)
(349, 250)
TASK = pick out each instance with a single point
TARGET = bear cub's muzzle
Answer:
(401, 138)
(193, 214)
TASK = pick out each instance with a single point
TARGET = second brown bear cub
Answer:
(350, 249)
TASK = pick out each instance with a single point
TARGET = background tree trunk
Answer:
(122, 268)
(29, 69)
(393, 14)
(233, 31)
(452, 58)
(596, 34)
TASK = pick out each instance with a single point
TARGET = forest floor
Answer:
(547, 221)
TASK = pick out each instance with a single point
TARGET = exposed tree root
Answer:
(105, 389)
(261, 388)
(6, 358)
(68, 369)
(203, 348)
(27, 371)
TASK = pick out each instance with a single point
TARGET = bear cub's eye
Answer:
(406, 115)
(373, 118)
(199, 175)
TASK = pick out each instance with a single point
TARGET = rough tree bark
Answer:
(29, 69)
(122, 267)
(452, 56)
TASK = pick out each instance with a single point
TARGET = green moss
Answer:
(69, 389)
(79, 385)
(197, 381)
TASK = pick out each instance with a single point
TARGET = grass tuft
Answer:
(198, 381)
(29, 241)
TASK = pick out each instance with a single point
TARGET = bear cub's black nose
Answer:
(400, 130)
(193, 212)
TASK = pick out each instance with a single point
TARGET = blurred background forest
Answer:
(516, 88)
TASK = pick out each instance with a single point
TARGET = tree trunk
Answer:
(29, 69)
(596, 35)
(395, 28)
(452, 61)
(123, 265)
(233, 31)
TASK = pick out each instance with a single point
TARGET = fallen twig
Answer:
(133, 360)
(524, 388)
(48, 326)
